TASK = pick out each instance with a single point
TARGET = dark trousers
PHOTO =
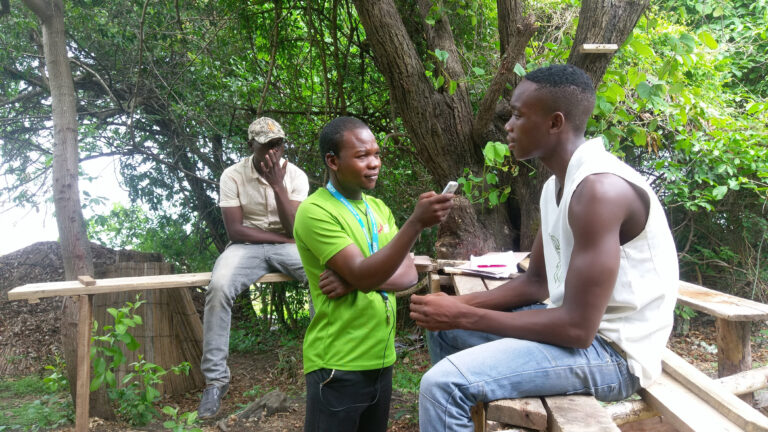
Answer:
(353, 401)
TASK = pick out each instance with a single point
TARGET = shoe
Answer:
(210, 404)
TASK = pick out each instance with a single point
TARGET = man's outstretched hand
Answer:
(437, 311)
(432, 208)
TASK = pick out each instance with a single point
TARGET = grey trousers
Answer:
(235, 270)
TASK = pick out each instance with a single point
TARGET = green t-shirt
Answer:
(351, 332)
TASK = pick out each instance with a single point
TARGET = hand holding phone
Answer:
(450, 187)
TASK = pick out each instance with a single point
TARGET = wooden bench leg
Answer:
(734, 353)
(478, 416)
(83, 362)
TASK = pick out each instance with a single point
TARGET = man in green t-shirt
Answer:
(355, 258)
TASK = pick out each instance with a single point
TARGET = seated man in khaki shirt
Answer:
(258, 198)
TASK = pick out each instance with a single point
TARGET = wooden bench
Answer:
(687, 399)
(84, 289)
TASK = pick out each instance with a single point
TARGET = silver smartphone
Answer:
(451, 187)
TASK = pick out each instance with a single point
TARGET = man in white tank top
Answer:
(604, 257)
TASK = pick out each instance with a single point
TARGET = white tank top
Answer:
(640, 313)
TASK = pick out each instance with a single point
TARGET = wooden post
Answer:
(734, 353)
(477, 412)
(434, 282)
(83, 362)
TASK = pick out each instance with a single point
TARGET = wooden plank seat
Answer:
(687, 399)
(112, 285)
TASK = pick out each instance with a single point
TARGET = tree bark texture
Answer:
(75, 249)
(603, 22)
(439, 123)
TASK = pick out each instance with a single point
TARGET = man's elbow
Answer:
(580, 338)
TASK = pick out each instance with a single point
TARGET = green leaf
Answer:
(169, 410)
(644, 90)
(755, 107)
(452, 87)
(642, 49)
(96, 382)
(439, 82)
(99, 366)
(112, 311)
(639, 137)
(441, 55)
(689, 41)
(719, 192)
(707, 40)
(493, 197)
(491, 178)
(519, 70)
(133, 344)
(478, 71)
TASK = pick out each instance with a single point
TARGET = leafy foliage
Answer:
(487, 185)
(136, 394)
(33, 403)
(668, 108)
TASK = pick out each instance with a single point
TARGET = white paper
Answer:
(493, 264)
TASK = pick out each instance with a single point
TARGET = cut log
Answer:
(577, 413)
(524, 412)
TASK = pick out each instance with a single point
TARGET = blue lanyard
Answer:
(373, 239)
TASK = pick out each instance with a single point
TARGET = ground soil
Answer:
(267, 371)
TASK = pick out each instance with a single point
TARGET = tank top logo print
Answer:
(558, 276)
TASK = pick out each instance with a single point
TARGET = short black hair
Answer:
(569, 90)
(333, 134)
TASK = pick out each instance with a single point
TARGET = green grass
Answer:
(26, 404)
(24, 386)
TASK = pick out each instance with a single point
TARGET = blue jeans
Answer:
(471, 367)
(235, 270)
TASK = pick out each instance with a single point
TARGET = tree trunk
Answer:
(448, 136)
(75, 249)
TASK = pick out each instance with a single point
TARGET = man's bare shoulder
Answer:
(610, 202)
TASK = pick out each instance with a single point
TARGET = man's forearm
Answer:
(245, 234)
(517, 292)
(372, 272)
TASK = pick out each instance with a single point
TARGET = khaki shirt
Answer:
(241, 185)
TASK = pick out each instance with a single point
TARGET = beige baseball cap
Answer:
(264, 129)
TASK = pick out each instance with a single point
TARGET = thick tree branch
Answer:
(41, 8)
(516, 50)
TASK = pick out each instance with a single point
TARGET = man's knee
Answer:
(438, 380)
(220, 292)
